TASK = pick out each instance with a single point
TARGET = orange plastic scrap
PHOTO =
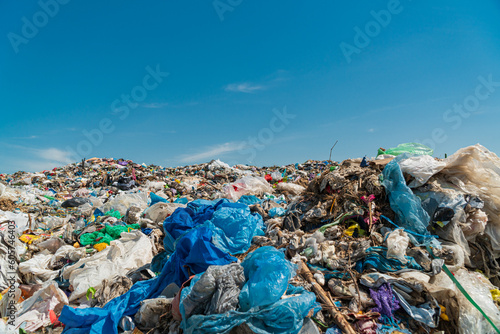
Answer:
(100, 246)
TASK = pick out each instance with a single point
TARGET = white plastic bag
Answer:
(422, 168)
(124, 201)
(35, 310)
(131, 251)
(292, 188)
(397, 243)
(248, 185)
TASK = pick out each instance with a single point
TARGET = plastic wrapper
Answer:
(422, 168)
(133, 250)
(150, 312)
(248, 185)
(124, 201)
(216, 291)
(409, 212)
(292, 188)
(35, 310)
(411, 148)
(478, 287)
(267, 272)
(397, 242)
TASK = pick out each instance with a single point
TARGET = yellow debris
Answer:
(28, 238)
(443, 313)
(100, 246)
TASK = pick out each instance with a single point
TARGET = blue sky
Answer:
(248, 81)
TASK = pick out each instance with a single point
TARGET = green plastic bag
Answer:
(107, 234)
(411, 148)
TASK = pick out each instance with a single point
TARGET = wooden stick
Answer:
(338, 317)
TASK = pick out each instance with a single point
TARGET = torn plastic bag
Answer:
(234, 227)
(422, 168)
(194, 253)
(267, 273)
(448, 216)
(36, 269)
(35, 310)
(410, 148)
(150, 312)
(233, 224)
(470, 319)
(377, 258)
(397, 243)
(427, 313)
(476, 170)
(284, 316)
(133, 250)
(122, 202)
(216, 291)
(248, 185)
(159, 211)
(156, 199)
(21, 219)
(409, 212)
(184, 219)
(249, 200)
(292, 188)
(277, 212)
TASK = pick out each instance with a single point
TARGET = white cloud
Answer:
(212, 152)
(54, 154)
(371, 130)
(155, 105)
(245, 87)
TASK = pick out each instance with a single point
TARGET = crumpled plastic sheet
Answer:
(421, 167)
(247, 185)
(233, 225)
(377, 258)
(122, 202)
(35, 310)
(267, 273)
(409, 212)
(215, 291)
(426, 313)
(133, 250)
(470, 319)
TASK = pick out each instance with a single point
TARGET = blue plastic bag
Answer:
(267, 273)
(234, 227)
(409, 212)
(181, 200)
(249, 200)
(277, 212)
(156, 199)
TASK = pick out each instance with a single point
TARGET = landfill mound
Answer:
(399, 243)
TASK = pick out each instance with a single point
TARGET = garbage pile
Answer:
(399, 243)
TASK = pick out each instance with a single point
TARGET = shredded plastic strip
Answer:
(462, 290)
